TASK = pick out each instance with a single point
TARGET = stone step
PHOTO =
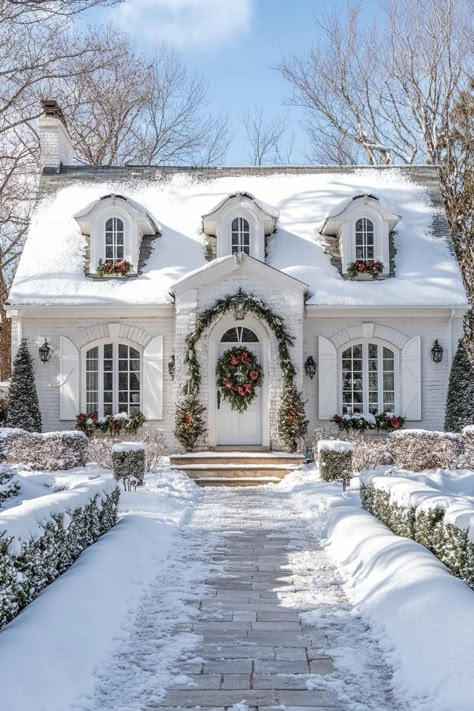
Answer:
(233, 458)
(238, 481)
(225, 471)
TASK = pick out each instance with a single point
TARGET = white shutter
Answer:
(153, 379)
(327, 379)
(411, 380)
(69, 406)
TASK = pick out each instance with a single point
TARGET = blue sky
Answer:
(234, 45)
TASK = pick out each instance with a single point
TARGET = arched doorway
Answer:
(228, 427)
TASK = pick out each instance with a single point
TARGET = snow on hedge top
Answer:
(128, 447)
(51, 269)
(334, 445)
(27, 521)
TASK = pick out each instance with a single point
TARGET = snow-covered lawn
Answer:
(102, 635)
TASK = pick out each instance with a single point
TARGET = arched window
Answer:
(368, 379)
(113, 379)
(114, 235)
(239, 334)
(240, 236)
(364, 240)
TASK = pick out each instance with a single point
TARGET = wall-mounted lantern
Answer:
(240, 308)
(310, 367)
(45, 351)
(172, 367)
(437, 352)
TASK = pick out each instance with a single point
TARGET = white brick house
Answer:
(192, 236)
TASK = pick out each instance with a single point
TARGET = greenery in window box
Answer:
(292, 425)
(385, 421)
(189, 421)
(372, 269)
(110, 424)
(118, 268)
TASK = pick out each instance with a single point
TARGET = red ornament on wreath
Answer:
(238, 376)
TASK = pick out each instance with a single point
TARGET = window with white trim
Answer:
(114, 239)
(240, 236)
(113, 379)
(368, 379)
(364, 240)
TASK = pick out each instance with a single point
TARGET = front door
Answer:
(234, 427)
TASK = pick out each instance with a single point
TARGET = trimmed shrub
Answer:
(460, 402)
(41, 538)
(49, 451)
(335, 459)
(421, 449)
(128, 462)
(468, 439)
(368, 451)
(100, 450)
(444, 524)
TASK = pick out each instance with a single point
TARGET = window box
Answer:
(119, 268)
(363, 271)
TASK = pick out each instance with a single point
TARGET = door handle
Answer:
(219, 399)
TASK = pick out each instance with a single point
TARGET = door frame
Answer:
(220, 327)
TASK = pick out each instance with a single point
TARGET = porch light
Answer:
(310, 367)
(240, 308)
(172, 367)
(45, 351)
(437, 352)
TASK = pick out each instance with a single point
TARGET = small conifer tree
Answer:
(23, 405)
(460, 402)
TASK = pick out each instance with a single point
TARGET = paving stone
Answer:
(237, 681)
(301, 708)
(278, 640)
(322, 666)
(296, 697)
(200, 681)
(227, 666)
(220, 697)
(277, 615)
(264, 666)
(280, 681)
(245, 615)
(213, 652)
(223, 626)
(277, 626)
(290, 654)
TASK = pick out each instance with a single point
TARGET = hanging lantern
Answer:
(437, 352)
(172, 367)
(45, 351)
(240, 308)
(310, 367)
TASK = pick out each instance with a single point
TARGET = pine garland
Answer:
(292, 423)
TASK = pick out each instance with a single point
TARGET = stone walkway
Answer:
(256, 647)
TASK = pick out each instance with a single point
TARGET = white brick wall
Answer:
(285, 303)
(55, 144)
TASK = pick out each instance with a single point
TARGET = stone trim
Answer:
(112, 330)
(385, 333)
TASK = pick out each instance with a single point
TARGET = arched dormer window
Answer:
(240, 236)
(364, 240)
(114, 239)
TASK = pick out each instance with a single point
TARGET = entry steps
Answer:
(237, 468)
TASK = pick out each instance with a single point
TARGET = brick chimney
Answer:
(56, 147)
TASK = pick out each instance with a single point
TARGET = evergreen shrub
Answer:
(460, 401)
(128, 463)
(23, 405)
(41, 538)
(49, 451)
(335, 459)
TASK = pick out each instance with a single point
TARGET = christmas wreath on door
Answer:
(238, 376)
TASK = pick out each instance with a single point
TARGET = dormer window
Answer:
(240, 224)
(240, 236)
(115, 227)
(359, 235)
(114, 239)
(364, 240)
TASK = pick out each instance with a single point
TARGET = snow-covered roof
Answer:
(52, 266)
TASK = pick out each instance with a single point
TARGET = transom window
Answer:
(113, 379)
(364, 240)
(368, 379)
(240, 236)
(114, 234)
(239, 334)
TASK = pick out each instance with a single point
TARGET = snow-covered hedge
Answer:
(9, 483)
(368, 449)
(468, 439)
(49, 451)
(421, 449)
(128, 461)
(335, 459)
(42, 537)
(443, 523)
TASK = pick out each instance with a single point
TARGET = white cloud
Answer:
(187, 23)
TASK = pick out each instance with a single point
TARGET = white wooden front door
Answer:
(234, 427)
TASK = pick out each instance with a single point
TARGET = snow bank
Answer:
(422, 616)
(51, 269)
(27, 521)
